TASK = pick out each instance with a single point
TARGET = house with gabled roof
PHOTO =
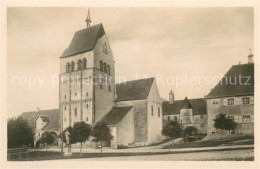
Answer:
(187, 112)
(44, 121)
(234, 97)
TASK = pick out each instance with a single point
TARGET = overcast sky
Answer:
(168, 42)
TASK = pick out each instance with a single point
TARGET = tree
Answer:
(219, 122)
(81, 132)
(101, 132)
(171, 130)
(47, 138)
(188, 132)
(223, 123)
(230, 125)
(19, 133)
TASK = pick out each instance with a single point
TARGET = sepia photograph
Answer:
(96, 83)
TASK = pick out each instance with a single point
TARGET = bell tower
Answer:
(87, 85)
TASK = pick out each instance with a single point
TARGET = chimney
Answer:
(37, 109)
(171, 97)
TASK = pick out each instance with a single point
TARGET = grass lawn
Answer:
(240, 140)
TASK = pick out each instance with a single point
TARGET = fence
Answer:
(17, 153)
(24, 154)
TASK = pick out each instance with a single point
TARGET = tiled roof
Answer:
(134, 90)
(226, 88)
(198, 106)
(115, 115)
(52, 114)
(84, 40)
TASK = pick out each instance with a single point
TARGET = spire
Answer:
(250, 56)
(186, 104)
(88, 20)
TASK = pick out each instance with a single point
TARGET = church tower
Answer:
(86, 87)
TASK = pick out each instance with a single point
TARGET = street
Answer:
(225, 155)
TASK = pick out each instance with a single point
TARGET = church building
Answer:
(88, 92)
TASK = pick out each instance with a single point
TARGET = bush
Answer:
(121, 146)
(189, 134)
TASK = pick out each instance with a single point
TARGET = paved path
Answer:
(226, 155)
(157, 149)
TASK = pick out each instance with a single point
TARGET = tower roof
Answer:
(186, 104)
(84, 40)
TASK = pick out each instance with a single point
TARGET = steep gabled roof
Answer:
(186, 104)
(52, 114)
(134, 90)
(226, 88)
(198, 107)
(84, 40)
(115, 115)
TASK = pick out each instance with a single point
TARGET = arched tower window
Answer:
(175, 118)
(105, 67)
(67, 67)
(84, 64)
(108, 69)
(101, 66)
(76, 112)
(79, 64)
(72, 66)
